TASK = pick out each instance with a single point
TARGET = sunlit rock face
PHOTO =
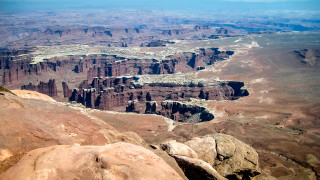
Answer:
(113, 161)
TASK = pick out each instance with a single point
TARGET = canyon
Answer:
(110, 84)
(17, 65)
(179, 95)
(142, 36)
(146, 95)
(93, 147)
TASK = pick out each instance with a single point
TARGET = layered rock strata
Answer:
(16, 66)
(49, 88)
(103, 89)
(130, 95)
(120, 37)
(69, 144)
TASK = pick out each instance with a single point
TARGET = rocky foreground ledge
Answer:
(56, 142)
(112, 161)
(216, 156)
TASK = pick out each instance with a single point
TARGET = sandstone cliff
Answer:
(49, 88)
(19, 67)
(128, 94)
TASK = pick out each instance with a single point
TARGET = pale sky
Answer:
(171, 5)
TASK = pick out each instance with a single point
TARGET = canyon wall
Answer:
(119, 37)
(127, 94)
(17, 67)
(103, 81)
(49, 88)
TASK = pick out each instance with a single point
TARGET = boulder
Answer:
(173, 147)
(205, 147)
(113, 161)
(235, 159)
(230, 157)
(225, 146)
(197, 169)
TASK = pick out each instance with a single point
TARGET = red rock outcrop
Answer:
(126, 94)
(66, 91)
(49, 88)
(115, 92)
(15, 70)
(10, 68)
(184, 112)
